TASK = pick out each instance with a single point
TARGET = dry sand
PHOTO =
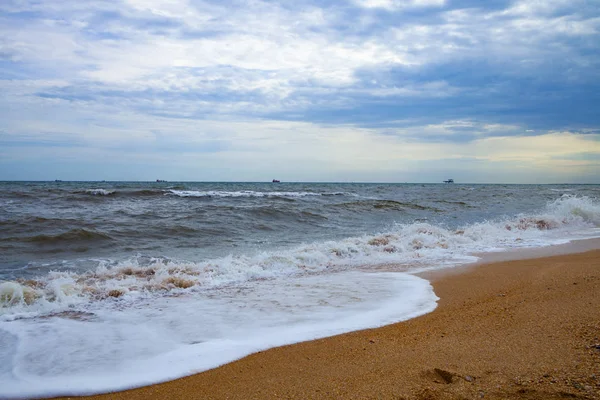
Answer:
(526, 329)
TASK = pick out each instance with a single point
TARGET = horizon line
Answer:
(293, 182)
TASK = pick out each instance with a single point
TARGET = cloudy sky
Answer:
(313, 90)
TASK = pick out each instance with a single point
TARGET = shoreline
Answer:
(528, 328)
(519, 254)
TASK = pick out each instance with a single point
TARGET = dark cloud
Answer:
(483, 90)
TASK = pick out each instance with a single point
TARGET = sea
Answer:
(107, 286)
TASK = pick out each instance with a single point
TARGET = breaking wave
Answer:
(182, 192)
(248, 193)
(100, 192)
(408, 247)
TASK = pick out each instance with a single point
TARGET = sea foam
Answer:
(123, 343)
(248, 193)
(100, 192)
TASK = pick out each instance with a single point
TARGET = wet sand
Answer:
(526, 329)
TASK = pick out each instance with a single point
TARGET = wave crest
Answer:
(384, 205)
(247, 193)
(100, 192)
(74, 235)
(408, 247)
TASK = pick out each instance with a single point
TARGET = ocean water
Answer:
(112, 285)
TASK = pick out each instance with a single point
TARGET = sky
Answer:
(317, 90)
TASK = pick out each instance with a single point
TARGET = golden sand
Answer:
(526, 329)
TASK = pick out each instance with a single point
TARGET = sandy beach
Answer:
(527, 329)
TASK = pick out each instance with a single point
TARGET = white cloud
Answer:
(281, 50)
(399, 4)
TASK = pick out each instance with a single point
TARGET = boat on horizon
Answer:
(276, 181)
(449, 181)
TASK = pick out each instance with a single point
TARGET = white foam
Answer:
(100, 192)
(247, 193)
(124, 343)
(563, 190)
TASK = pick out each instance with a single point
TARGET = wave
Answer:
(73, 235)
(267, 213)
(457, 203)
(187, 231)
(313, 215)
(180, 192)
(122, 193)
(33, 222)
(411, 246)
(383, 205)
(249, 193)
(17, 194)
(29, 229)
(99, 192)
(143, 193)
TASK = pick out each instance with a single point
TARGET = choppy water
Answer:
(101, 279)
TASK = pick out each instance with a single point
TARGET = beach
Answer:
(525, 329)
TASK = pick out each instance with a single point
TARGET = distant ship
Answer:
(276, 181)
(449, 181)
(160, 180)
